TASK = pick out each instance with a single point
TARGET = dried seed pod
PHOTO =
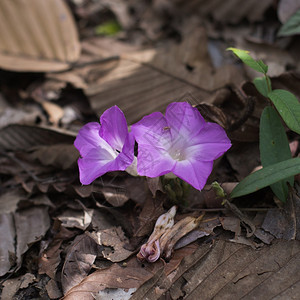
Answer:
(173, 235)
(151, 250)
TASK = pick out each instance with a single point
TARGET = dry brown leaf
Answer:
(45, 37)
(226, 270)
(224, 12)
(79, 260)
(50, 258)
(205, 228)
(114, 239)
(21, 137)
(7, 247)
(12, 286)
(61, 156)
(31, 226)
(152, 209)
(154, 77)
(52, 289)
(129, 275)
(9, 200)
(285, 223)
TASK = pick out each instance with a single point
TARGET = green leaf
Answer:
(261, 84)
(274, 148)
(267, 176)
(288, 107)
(257, 65)
(108, 28)
(292, 25)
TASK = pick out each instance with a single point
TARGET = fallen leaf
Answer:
(127, 276)
(72, 218)
(53, 290)
(7, 247)
(78, 262)
(21, 137)
(45, 39)
(285, 223)
(51, 256)
(31, 226)
(114, 238)
(61, 156)
(12, 286)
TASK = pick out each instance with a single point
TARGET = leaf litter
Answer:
(61, 239)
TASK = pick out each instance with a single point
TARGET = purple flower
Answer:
(106, 147)
(181, 142)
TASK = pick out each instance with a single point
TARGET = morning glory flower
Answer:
(180, 143)
(104, 148)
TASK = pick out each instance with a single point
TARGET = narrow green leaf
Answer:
(257, 65)
(261, 84)
(292, 25)
(274, 147)
(267, 176)
(288, 107)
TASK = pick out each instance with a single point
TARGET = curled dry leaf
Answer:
(174, 234)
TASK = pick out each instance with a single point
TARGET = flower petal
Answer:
(88, 138)
(94, 164)
(209, 144)
(152, 130)
(153, 162)
(114, 127)
(100, 161)
(194, 172)
(126, 156)
(184, 120)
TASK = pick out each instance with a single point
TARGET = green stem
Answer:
(268, 83)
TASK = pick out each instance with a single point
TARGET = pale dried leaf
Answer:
(25, 115)
(115, 196)
(79, 260)
(11, 286)
(72, 218)
(114, 294)
(45, 37)
(114, 238)
(9, 200)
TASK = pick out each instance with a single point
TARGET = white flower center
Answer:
(177, 154)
